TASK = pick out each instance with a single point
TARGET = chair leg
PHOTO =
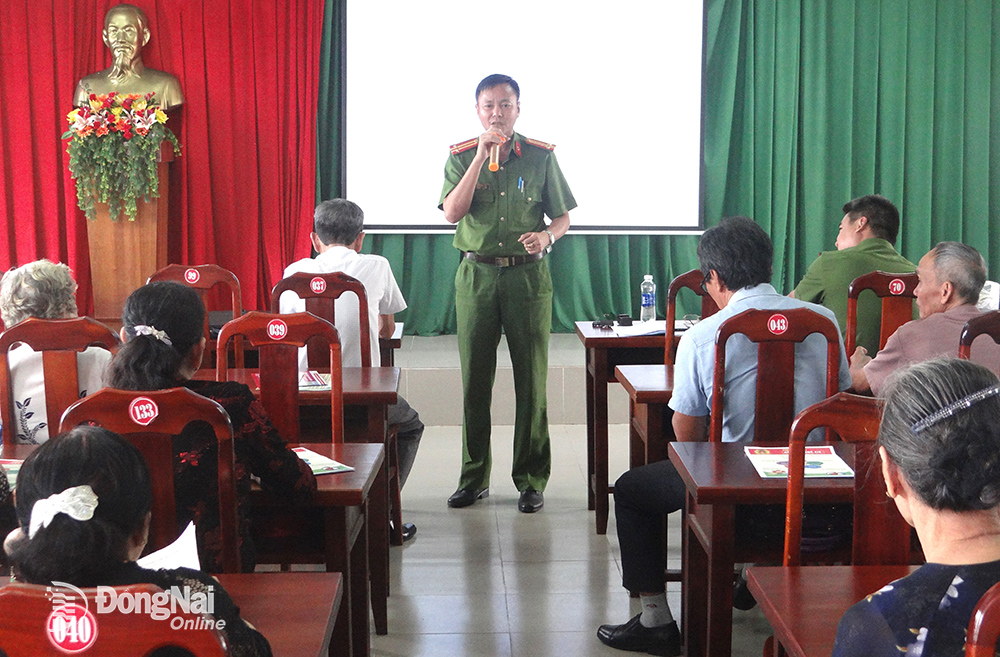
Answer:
(396, 535)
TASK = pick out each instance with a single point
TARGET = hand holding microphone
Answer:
(492, 139)
(494, 157)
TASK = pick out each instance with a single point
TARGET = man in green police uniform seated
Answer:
(503, 283)
(864, 244)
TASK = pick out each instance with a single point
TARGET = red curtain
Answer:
(243, 190)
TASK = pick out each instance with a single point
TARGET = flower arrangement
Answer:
(112, 151)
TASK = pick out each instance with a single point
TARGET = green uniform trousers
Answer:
(518, 300)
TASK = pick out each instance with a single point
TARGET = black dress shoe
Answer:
(464, 497)
(530, 501)
(663, 640)
(409, 531)
(742, 597)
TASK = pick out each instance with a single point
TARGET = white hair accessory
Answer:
(142, 329)
(77, 502)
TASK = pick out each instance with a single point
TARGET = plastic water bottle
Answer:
(648, 290)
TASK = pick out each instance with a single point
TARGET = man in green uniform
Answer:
(503, 283)
(864, 244)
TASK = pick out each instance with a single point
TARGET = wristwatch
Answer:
(552, 238)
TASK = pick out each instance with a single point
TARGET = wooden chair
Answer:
(776, 333)
(59, 340)
(320, 292)
(690, 281)
(881, 536)
(984, 626)
(897, 294)
(149, 420)
(278, 338)
(25, 610)
(985, 324)
(203, 278)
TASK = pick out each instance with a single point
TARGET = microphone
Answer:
(494, 157)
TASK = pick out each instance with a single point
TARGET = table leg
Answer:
(338, 560)
(359, 594)
(378, 536)
(600, 482)
(721, 553)
(589, 375)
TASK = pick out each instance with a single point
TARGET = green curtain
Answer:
(807, 104)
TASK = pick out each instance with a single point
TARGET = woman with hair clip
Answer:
(163, 325)
(940, 449)
(83, 504)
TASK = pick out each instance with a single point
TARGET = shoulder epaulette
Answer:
(539, 144)
(461, 147)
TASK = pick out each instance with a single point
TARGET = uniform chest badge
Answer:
(482, 186)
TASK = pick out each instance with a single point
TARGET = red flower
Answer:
(128, 134)
(92, 97)
(127, 104)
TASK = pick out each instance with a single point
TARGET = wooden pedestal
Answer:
(123, 254)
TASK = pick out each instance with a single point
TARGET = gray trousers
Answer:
(409, 430)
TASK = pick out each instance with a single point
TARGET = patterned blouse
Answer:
(242, 639)
(260, 452)
(925, 613)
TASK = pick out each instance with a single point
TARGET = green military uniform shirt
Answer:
(829, 276)
(509, 202)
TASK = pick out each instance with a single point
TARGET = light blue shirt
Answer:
(694, 366)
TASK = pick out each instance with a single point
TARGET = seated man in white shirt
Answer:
(46, 290)
(337, 238)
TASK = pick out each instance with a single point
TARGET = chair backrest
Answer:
(149, 420)
(691, 281)
(881, 536)
(320, 291)
(278, 337)
(30, 624)
(203, 278)
(776, 332)
(984, 625)
(897, 294)
(59, 340)
(985, 324)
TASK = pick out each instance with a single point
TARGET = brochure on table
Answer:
(821, 461)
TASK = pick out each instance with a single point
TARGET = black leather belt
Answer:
(503, 261)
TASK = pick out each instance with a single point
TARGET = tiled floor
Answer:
(489, 581)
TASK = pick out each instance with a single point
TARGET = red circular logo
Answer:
(191, 276)
(777, 324)
(897, 286)
(277, 329)
(143, 410)
(71, 628)
(317, 285)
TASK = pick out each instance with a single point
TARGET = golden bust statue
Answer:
(125, 33)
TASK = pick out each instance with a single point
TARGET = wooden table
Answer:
(719, 477)
(649, 388)
(387, 346)
(344, 502)
(804, 604)
(604, 351)
(294, 611)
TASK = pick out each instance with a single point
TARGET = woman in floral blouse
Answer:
(940, 449)
(162, 329)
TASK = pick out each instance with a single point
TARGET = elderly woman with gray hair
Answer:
(940, 448)
(46, 290)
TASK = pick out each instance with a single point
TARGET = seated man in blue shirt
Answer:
(736, 258)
